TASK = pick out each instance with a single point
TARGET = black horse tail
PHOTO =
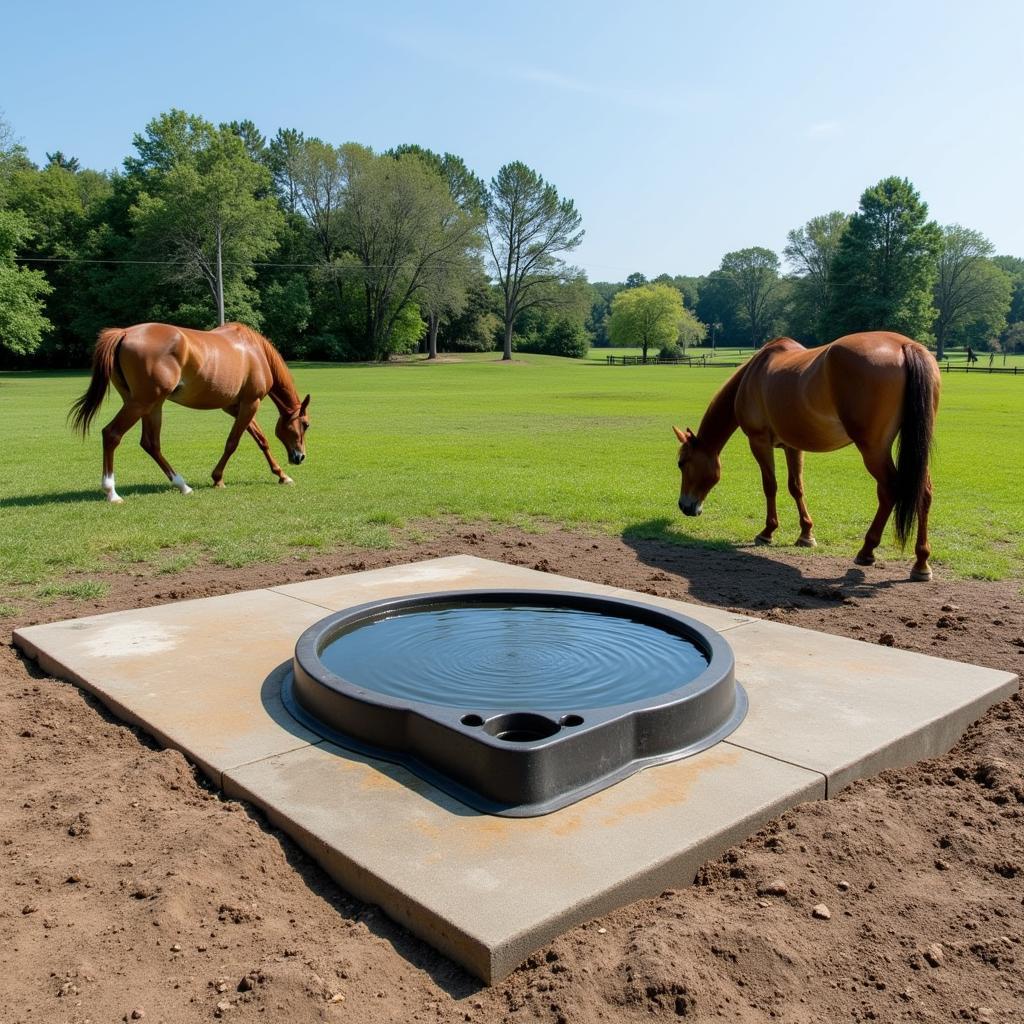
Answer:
(915, 444)
(103, 359)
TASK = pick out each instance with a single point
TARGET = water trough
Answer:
(516, 702)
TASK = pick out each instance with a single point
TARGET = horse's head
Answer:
(291, 431)
(701, 469)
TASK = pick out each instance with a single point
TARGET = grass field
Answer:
(539, 441)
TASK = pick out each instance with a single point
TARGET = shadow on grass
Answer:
(746, 576)
(93, 494)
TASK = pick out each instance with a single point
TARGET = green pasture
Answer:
(407, 448)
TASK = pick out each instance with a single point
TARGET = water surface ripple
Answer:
(513, 658)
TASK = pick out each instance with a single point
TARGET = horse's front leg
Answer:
(795, 465)
(151, 424)
(244, 413)
(762, 450)
(261, 439)
(880, 465)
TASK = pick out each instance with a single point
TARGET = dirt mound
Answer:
(131, 890)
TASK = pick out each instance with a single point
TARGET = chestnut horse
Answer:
(863, 389)
(231, 368)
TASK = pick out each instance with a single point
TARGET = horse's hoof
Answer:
(865, 560)
(806, 542)
(920, 576)
(219, 484)
(761, 539)
(287, 480)
(186, 490)
(115, 500)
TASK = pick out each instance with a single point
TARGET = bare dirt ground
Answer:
(130, 890)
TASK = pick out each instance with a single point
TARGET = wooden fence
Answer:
(701, 360)
(978, 368)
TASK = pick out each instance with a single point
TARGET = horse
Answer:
(231, 367)
(863, 389)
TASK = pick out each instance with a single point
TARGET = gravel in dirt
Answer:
(128, 886)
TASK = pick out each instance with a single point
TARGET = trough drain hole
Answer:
(571, 720)
(472, 720)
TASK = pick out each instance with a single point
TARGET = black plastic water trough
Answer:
(516, 702)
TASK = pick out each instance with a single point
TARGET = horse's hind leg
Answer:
(795, 465)
(880, 465)
(244, 413)
(922, 549)
(151, 423)
(261, 439)
(128, 415)
(765, 455)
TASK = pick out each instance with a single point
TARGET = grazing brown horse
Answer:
(231, 368)
(863, 389)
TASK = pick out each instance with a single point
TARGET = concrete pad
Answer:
(201, 676)
(850, 709)
(488, 891)
(467, 572)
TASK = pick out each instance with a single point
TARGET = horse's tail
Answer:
(915, 444)
(85, 408)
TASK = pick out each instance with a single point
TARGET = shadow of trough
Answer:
(746, 576)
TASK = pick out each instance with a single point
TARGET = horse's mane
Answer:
(278, 367)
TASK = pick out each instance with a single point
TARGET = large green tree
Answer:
(648, 316)
(22, 322)
(404, 228)
(811, 251)
(969, 287)
(885, 269)
(529, 228)
(753, 276)
(205, 207)
(445, 290)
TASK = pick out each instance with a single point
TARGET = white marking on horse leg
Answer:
(179, 481)
(108, 486)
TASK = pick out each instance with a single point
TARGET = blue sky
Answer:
(681, 130)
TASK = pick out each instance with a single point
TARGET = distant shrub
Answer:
(670, 352)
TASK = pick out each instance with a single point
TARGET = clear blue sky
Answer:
(681, 130)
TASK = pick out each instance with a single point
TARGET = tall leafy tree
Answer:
(404, 229)
(649, 316)
(205, 207)
(529, 228)
(445, 290)
(22, 321)
(811, 251)
(1014, 266)
(884, 271)
(753, 277)
(969, 287)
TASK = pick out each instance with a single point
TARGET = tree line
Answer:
(340, 253)
(335, 252)
(887, 266)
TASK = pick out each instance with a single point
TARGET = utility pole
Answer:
(220, 280)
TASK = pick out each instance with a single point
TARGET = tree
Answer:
(811, 251)
(445, 287)
(528, 229)
(885, 269)
(649, 316)
(282, 157)
(205, 206)
(636, 280)
(1014, 266)
(22, 323)
(968, 288)
(404, 228)
(753, 275)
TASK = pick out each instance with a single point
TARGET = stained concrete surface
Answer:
(203, 676)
